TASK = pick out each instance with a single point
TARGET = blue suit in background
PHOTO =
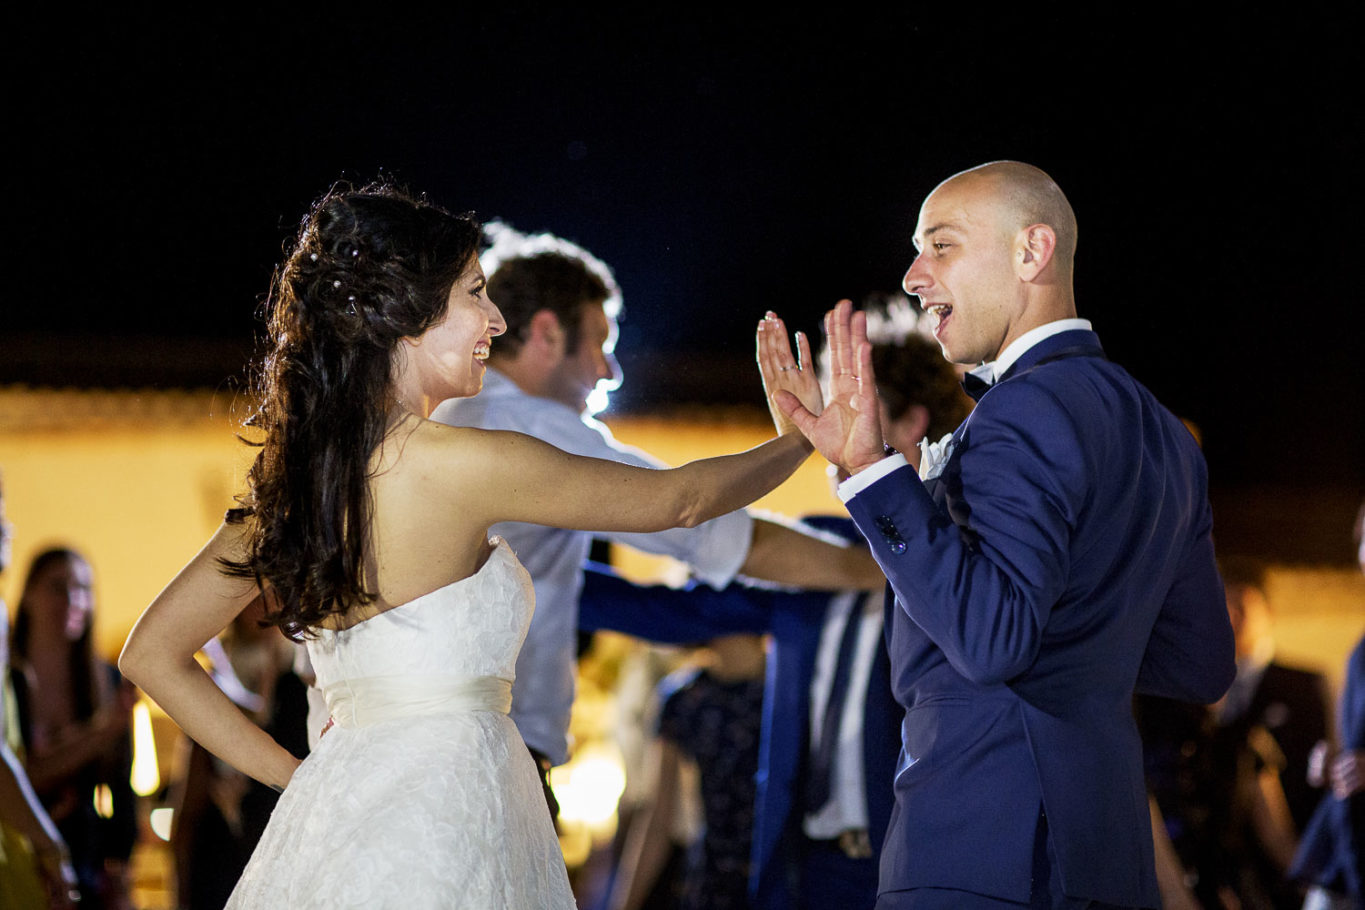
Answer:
(794, 619)
(1331, 854)
(1061, 561)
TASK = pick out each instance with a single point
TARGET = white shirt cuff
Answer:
(868, 476)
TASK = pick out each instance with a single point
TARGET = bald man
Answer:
(1052, 556)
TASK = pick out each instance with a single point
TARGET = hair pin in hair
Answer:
(313, 257)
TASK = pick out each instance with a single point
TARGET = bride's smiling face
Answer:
(450, 355)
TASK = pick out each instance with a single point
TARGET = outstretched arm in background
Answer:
(787, 555)
(649, 840)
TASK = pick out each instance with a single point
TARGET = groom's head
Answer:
(996, 246)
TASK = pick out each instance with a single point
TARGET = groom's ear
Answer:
(1033, 249)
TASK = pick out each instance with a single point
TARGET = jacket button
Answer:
(890, 533)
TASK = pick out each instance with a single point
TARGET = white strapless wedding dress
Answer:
(422, 794)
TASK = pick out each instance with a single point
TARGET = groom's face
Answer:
(963, 274)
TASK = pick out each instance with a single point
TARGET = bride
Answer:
(366, 528)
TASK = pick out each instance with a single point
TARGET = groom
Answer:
(1056, 558)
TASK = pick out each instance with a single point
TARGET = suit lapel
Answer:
(1075, 343)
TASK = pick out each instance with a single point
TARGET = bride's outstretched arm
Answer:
(159, 657)
(513, 477)
(524, 479)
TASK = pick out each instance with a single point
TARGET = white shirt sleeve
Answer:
(868, 476)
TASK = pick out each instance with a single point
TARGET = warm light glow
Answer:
(103, 799)
(161, 821)
(575, 844)
(599, 398)
(589, 786)
(146, 778)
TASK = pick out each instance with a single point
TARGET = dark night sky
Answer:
(724, 166)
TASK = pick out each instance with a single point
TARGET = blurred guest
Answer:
(1268, 697)
(35, 868)
(1219, 802)
(831, 727)
(710, 717)
(74, 718)
(809, 842)
(221, 813)
(1170, 873)
(1331, 857)
(635, 725)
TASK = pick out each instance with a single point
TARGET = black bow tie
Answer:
(974, 386)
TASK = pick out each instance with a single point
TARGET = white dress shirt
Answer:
(543, 692)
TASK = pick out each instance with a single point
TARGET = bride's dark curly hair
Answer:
(370, 267)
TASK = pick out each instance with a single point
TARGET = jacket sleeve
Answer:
(667, 615)
(1190, 655)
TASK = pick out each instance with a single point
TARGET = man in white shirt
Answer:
(560, 304)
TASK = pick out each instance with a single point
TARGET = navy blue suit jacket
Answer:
(1061, 561)
(794, 620)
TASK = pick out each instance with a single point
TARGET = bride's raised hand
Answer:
(783, 372)
(848, 431)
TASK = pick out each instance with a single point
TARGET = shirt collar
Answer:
(496, 384)
(992, 371)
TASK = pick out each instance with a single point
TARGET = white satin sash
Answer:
(371, 699)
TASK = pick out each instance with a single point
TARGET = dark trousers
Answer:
(830, 879)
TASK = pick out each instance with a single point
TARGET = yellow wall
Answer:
(1319, 616)
(136, 481)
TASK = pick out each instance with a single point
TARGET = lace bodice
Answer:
(469, 628)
